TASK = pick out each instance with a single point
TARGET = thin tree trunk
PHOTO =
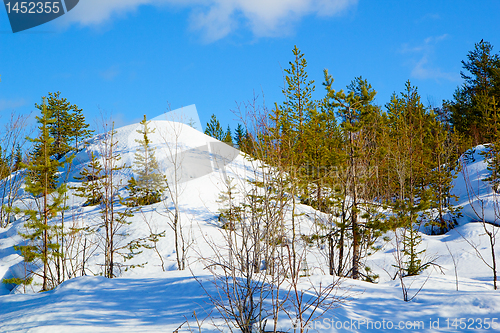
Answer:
(494, 262)
(45, 236)
(331, 262)
(354, 213)
(83, 261)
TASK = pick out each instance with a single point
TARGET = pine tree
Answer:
(214, 129)
(79, 128)
(228, 137)
(41, 237)
(411, 242)
(18, 158)
(357, 113)
(298, 92)
(413, 166)
(239, 137)
(482, 82)
(60, 127)
(290, 118)
(150, 184)
(68, 128)
(493, 153)
(324, 139)
(441, 173)
(101, 186)
(229, 212)
(286, 136)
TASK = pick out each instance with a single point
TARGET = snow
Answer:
(95, 304)
(152, 300)
(478, 200)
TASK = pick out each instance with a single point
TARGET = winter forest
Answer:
(312, 215)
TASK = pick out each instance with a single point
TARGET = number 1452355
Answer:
(32, 7)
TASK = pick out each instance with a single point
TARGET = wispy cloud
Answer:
(422, 66)
(429, 17)
(111, 73)
(12, 104)
(215, 19)
(423, 69)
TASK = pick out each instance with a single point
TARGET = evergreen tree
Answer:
(290, 118)
(60, 126)
(239, 136)
(248, 144)
(229, 212)
(68, 128)
(323, 138)
(214, 129)
(441, 173)
(79, 128)
(18, 158)
(470, 102)
(356, 112)
(287, 133)
(412, 162)
(228, 137)
(298, 92)
(411, 242)
(41, 237)
(411, 262)
(410, 124)
(37, 157)
(324, 191)
(150, 184)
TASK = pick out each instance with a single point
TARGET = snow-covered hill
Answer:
(150, 299)
(197, 162)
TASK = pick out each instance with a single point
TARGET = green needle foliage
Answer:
(228, 137)
(472, 99)
(41, 246)
(68, 128)
(150, 184)
(214, 129)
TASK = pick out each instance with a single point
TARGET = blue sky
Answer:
(135, 57)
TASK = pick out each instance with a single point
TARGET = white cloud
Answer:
(423, 68)
(216, 19)
(91, 12)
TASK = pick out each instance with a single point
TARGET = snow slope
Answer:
(477, 198)
(151, 300)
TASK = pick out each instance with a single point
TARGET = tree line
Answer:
(366, 169)
(352, 159)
